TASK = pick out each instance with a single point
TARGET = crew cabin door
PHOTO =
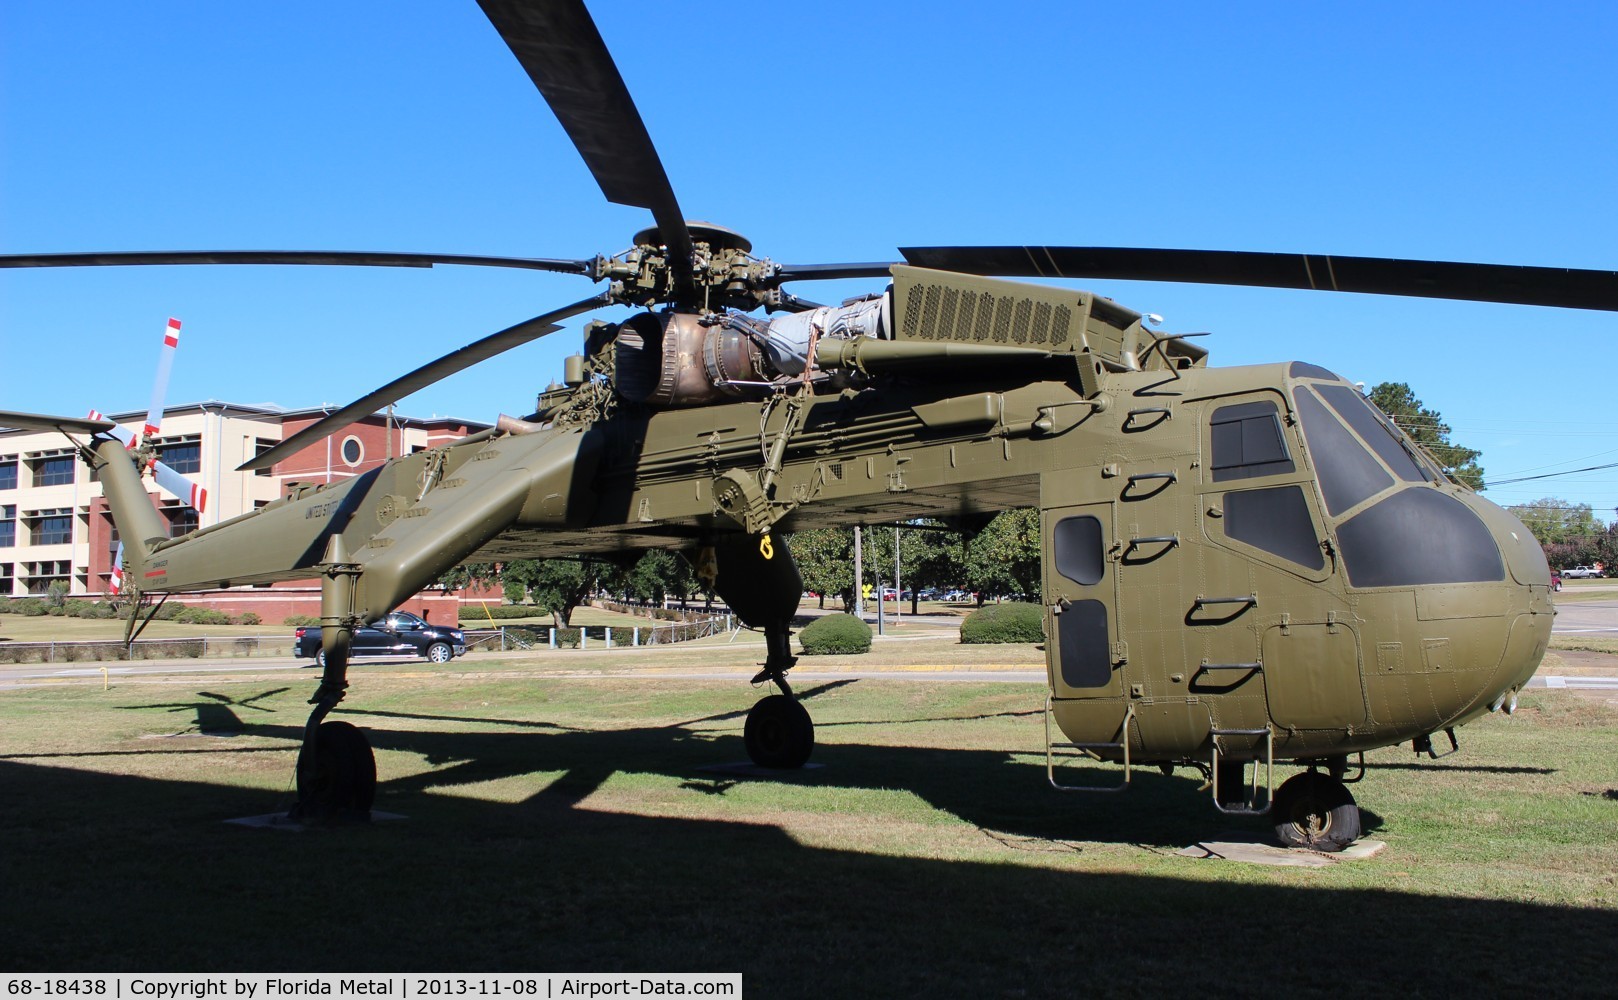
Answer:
(1081, 591)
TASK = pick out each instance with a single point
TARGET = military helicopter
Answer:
(1243, 566)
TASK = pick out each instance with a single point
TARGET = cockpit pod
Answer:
(1453, 591)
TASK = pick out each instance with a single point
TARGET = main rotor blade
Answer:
(338, 257)
(1436, 279)
(560, 48)
(829, 272)
(160, 385)
(46, 422)
(449, 364)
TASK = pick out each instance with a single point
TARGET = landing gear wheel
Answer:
(779, 733)
(1315, 811)
(439, 652)
(337, 776)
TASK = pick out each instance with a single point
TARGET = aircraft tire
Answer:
(1315, 811)
(338, 780)
(779, 733)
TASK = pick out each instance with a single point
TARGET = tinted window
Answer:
(1079, 555)
(1348, 473)
(1303, 369)
(1247, 442)
(1419, 536)
(1368, 424)
(8, 474)
(1277, 521)
(1086, 647)
(185, 456)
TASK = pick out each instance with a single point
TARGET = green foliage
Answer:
(461, 577)
(833, 634)
(202, 616)
(56, 594)
(249, 618)
(1004, 558)
(1012, 621)
(1607, 549)
(825, 558)
(473, 614)
(556, 586)
(657, 574)
(514, 591)
(1428, 429)
(28, 607)
(300, 620)
(1554, 521)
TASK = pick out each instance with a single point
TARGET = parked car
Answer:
(1581, 573)
(399, 634)
(1556, 579)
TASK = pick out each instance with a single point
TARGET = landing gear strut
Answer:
(779, 733)
(336, 768)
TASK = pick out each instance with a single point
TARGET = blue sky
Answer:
(825, 132)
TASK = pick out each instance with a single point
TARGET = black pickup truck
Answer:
(399, 634)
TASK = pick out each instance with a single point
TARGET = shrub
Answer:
(31, 607)
(249, 618)
(201, 616)
(300, 620)
(1012, 621)
(838, 633)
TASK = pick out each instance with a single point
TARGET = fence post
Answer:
(727, 623)
(584, 637)
(636, 639)
(609, 636)
(552, 632)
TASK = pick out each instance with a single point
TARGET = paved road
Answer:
(1595, 618)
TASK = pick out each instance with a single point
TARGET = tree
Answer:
(657, 574)
(825, 558)
(556, 585)
(1557, 522)
(1607, 549)
(1428, 429)
(1005, 556)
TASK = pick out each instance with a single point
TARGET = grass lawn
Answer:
(568, 825)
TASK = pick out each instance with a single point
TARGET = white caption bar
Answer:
(272, 986)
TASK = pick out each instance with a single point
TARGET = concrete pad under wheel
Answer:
(1259, 853)
(748, 769)
(280, 821)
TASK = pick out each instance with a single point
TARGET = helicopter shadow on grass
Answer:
(472, 884)
(1003, 791)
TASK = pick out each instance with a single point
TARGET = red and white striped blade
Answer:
(165, 364)
(180, 486)
(118, 431)
(115, 583)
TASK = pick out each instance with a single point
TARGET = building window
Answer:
(42, 574)
(52, 527)
(260, 446)
(8, 574)
(54, 470)
(8, 473)
(182, 455)
(353, 452)
(182, 521)
(8, 526)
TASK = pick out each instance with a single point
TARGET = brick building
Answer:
(55, 526)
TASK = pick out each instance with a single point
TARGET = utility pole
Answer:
(898, 588)
(859, 574)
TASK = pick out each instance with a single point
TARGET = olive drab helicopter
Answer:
(1242, 566)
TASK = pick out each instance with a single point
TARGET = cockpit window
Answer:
(1371, 427)
(1276, 520)
(1247, 442)
(1348, 473)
